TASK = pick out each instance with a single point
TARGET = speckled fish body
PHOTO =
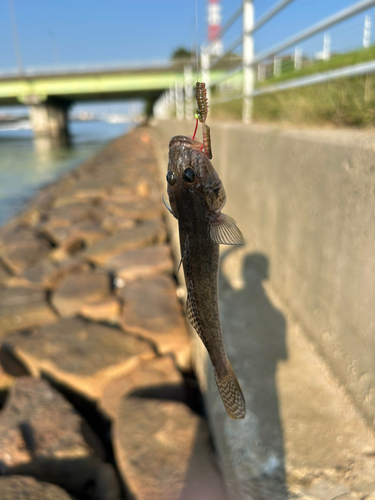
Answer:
(196, 197)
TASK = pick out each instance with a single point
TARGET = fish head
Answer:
(189, 169)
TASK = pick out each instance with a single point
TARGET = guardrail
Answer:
(246, 69)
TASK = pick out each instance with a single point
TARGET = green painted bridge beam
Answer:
(91, 86)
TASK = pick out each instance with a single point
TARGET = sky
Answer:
(71, 33)
(88, 32)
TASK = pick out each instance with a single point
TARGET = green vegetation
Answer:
(181, 53)
(311, 67)
(342, 102)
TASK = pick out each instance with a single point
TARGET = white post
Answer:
(205, 68)
(367, 32)
(247, 59)
(188, 80)
(171, 102)
(326, 55)
(261, 72)
(179, 93)
(277, 66)
(297, 58)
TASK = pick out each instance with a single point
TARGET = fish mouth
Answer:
(184, 141)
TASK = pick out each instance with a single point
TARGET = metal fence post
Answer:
(277, 65)
(326, 54)
(248, 55)
(179, 94)
(205, 68)
(171, 102)
(367, 32)
(188, 80)
(297, 58)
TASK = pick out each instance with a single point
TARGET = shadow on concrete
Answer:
(255, 335)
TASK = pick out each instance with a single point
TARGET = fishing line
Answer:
(196, 58)
(196, 37)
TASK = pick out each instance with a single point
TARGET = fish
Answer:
(196, 198)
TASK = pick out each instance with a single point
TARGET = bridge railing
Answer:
(276, 68)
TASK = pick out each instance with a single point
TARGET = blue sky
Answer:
(89, 32)
(72, 32)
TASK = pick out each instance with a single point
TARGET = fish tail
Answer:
(231, 393)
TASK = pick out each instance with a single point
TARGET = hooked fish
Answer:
(197, 196)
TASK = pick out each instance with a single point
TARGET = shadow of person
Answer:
(254, 333)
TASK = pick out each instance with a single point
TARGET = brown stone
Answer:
(152, 310)
(69, 235)
(5, 380)
(5, 276)
(79, 289)
(83, 356)
(68, 214)
(28, 488)
(142, 235)
(48, 274)
(141, 263)
(21, 308)
(157, 372)
(14, 233)
(85, 189)
(142, 209)
(108, 310)
(163, 451)
(18, 255)
(115, 223)
(42, 435)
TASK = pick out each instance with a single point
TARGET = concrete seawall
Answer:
(305, 203)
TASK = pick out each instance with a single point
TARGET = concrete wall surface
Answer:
(305, 202)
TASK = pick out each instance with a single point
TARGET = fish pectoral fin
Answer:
(192, 311)
(223, 230)
(167, 206)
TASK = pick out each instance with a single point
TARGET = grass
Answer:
(341, 102)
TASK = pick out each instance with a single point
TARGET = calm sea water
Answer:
(27, 165)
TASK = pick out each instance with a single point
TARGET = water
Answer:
(27, 165)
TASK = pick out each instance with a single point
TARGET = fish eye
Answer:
(171, 178)
(188, 175)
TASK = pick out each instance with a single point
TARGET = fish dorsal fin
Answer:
(223, 230)
(167, 205)
(192, 310)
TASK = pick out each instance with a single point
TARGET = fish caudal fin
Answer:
(231, 393)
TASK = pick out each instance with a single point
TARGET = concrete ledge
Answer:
(304, 201)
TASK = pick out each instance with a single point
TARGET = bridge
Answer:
(50, 93)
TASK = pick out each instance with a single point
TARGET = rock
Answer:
(20, 253)
(6, 381)
(79, 289)
(85, 189)
(48, 274)
(83, 356)
(22, 308)
(163, 451)
(108, 310)
(27, 488)
(68, 214)
(5, 276)
(140, 236)
(152, 310)
(85, 233)
(43, 436)
(141, 263)
(14, 233)
(158, 372)
(142, 209)
(115, 223)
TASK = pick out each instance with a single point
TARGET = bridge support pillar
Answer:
(50, 118)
